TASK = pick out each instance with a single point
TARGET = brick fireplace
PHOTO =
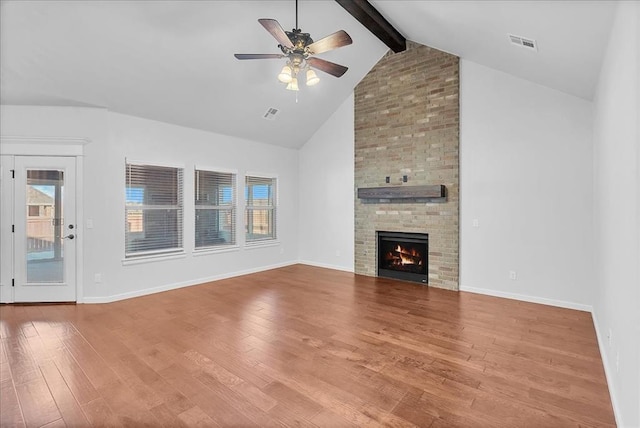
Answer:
(407, 135)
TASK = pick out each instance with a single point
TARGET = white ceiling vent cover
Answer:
(523, 42)
(271, 113)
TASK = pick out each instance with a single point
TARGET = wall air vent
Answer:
(523, 42)
(271, 113)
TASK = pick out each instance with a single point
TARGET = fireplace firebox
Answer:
(403, 256)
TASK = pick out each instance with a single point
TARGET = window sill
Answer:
(153, 258)
(261, 244)
(207, 251)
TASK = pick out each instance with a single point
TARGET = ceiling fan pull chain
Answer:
(297, 16)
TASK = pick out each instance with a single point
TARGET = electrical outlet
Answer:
(97, 278)
(513, 275)
(476, 222)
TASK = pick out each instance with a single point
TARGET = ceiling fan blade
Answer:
(258, 56)
(274, 27)
(327, 66)
(332, 41)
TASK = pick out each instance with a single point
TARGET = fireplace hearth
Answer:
(403, 256)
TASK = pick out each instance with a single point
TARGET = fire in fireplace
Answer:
(403, 256)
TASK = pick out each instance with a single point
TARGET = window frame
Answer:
(234, 211)
(161, 253)
(272, 240)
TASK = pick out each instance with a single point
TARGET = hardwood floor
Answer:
(302, 346)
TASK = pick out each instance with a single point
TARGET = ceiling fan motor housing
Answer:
(299, 53)
(300, 42)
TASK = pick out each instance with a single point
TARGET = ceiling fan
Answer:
(298, 48)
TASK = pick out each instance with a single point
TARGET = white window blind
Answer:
(260, 212)
(215, 202)
(153, 210)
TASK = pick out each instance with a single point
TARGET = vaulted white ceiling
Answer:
(173, 60)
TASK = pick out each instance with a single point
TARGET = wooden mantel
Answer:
(430, 192)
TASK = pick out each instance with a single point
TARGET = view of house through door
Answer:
(44, 245)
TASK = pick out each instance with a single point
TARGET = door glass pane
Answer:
(44, 211)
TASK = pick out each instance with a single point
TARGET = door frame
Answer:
(12, 146)
(31, 286)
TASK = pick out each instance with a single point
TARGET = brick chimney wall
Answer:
(407, 123)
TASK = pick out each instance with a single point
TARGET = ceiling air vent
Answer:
(271, 113)
(523, 42)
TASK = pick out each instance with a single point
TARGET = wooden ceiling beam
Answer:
(369, 16)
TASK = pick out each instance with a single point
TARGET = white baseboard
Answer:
(175, 286)
(531, 299)
(325, 265)
(607, 370)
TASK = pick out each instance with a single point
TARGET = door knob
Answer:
(69, 236)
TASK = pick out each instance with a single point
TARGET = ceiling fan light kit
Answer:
(298, 48)
(285, 74)
(312, 78)
(293, 85)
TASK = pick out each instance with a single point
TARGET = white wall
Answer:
(116, 137)
(617, 213)
(326, 193)
(526, 176)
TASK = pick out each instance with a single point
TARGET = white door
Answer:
(45, 230)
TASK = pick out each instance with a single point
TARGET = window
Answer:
(260, 214)
(215, 201)
(153, 210)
